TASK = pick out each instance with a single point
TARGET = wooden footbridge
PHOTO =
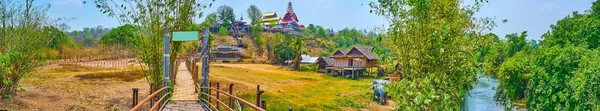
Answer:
(192, 92)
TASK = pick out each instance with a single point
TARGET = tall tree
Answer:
(577, 30)
(433, 41)
(254, 14)
(516, 43)
(123, 35)
(257, 33)
(150, 18)
(26, 31)
(225, 15)
(210, 20)
(297, 47)
(321, 32)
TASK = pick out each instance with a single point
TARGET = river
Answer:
(482, 96)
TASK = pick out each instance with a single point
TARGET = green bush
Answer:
(552, 78)
(223, 31)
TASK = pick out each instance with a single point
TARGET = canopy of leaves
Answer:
(225, 15)
(433, 40)
(551, 78)
(223, 31)
(576, 29)
(257, 33)
(254, 14)
(26, 31)
(558, 75)
(123, 36)
(150, 19)
(210, 20)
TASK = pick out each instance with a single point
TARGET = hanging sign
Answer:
(186, 36)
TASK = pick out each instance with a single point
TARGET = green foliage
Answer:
(123, 36)
(576, 29)
(551, 78)
(89, 41)
(210, 20)
(513, 77)
(151, 18)
(499, 51)
(297, 47)
(560, 74)
(59, 37)
(321, 32)
(283, 51)
(273, 23)
(310, 67)
(434, 42)
(311, 28)
(586, 83)
(254, 14)
(257, 33)
(223, 31)
(225, 15)
(516, 43)
(23, 42)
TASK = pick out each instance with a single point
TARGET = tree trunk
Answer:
(297, 61)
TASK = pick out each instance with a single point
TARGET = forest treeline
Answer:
(440, 48)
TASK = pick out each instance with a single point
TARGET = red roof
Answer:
(289, 17)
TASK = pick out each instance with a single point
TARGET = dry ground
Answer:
(293, 89)
(75, 87)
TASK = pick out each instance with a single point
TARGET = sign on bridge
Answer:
(186, 35)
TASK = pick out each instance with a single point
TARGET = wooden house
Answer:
(227, 53)
(354, 61)
(325, 64)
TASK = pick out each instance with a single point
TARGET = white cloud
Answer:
(546, 7)
(77, 3)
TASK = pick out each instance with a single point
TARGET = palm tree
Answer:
(296, 46)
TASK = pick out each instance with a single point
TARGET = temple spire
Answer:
(290, 9)
(242, 17)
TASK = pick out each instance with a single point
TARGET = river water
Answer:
(482, 96)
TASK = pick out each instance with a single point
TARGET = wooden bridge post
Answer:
(258, 96)
(264, 104)
(230, 93)
(218, 95)
(209, 92)
(135, 97)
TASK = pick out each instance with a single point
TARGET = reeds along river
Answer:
(482, 95)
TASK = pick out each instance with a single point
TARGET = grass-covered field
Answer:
(77, 88)
(285, 88)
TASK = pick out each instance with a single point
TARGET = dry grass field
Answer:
(77, 88)
(285, 88)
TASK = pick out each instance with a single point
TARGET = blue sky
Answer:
(534, 16)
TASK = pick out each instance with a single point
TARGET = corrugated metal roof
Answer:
(308, 60)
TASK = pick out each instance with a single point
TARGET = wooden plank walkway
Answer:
(184, 98)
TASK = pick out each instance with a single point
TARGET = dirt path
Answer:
(184, 86)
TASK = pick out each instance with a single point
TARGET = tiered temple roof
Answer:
(290, 20)
(268, 17)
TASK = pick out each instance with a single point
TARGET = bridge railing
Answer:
(160, 103)
(234, 101)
